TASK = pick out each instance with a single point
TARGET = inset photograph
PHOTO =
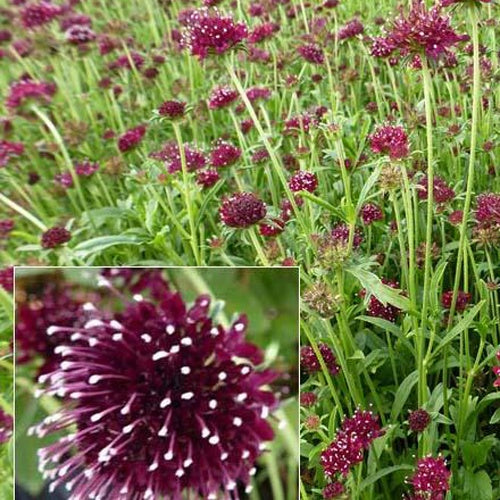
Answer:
(145, 383)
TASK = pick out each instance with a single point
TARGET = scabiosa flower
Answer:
(6, 226)
(456, 217)
(311, 53)
(172, 109)
(377, 309)
(391, 140)
(274, 227)
(422, 31)
(302, 122)
(340, 234)
(207, 177)
(320, 298)
(463, 299)
(432, 477)
(355, 435)
(80, 34)
(442, 192)
(163, 400)
(418, 420)
(262, 32)
(222, 97)
(242, 210)
(7, 278)
(55, 236)
(9, 150)
(303, 181)
(351, 29)
(370, 212)
(5, 426)
(310, 362)
(25, 90)
(34, 15)
(224, 154)
(333, 490)
(210, 32)
(496, 371)
(487, 228)
(170, 154)
(258, 93)
(308, 399)
(131, 138)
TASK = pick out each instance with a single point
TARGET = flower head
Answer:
(242, 210)
(370, 212)
(377, 309)
(172, 109)
(312, 53)
(303, 181)
(55, 236)
(333, 490)
(163, 400)
(6, 422)
(7, 278)
(79, 34)
(224, 154)
(222, 97)
(34, 15)
(131, 138)
(496, 371)
(308, 399)
(25, 90)
(210, 32)
(463, 299)
(418, 420)
(207, 177)
(442, 193)
(9, 150)
(432, 476)
(310, 362)
(351, 29)
(391, 140)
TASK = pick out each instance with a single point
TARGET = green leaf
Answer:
(496, 417)
(101, 243)
(382, 323)
(478, 485)
(403, 394)
(381, 473)
(462, 325)
(475, 454)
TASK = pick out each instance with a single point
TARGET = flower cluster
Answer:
(6, 422)
(463, 299)
(431, 479)
(222, 97)
(170, 154)
(303, 181)
(162, 399)
(442, 193)
(391, 140)
(55, 237)
(224, 154)
(8, 150)
(242, 210)
(7, 278)
(310, 362)
(418, 420)
(26, 90)
(496, 371)
(377, 309)
(312, 53)
(131, 138)
(347, 449)
(172, 109)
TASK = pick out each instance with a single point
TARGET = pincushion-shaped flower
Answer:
(303, 181)
(34, 339)
(308, 399)
(224, 154)
(55, 236)
(496, 371)
(222, 97)
(310, 362)
(5, 426)
(27, 90)
(6, 226)
(442, 193)
(170, 154)
(487, 227)
(333, 490)
(347, 449)
(418, 420)
(8, 150)
(421, 31)
(210, 32)
(242, 210)
(432, 477)
(7, 278)
(463, 299)
(351, 29)
(262, 32)
(391, 140)
(80, 34)
(311, 53)
(377, 309)
(172, 109)
(131, 138)
(370, 212)
(340, 235)
(207, 177)
(164, 401)
(34, 15)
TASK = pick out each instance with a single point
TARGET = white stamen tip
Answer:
(146, 337)
(175, 349)
(138, 297)
(170, 329)
(159, 355)
(237, 421)
(187, 341)
(239, 327)
(222, 376)
(185, 370)
(212, 404)
(165, 402)
(187, 395)
(214, 440)
(93, 379)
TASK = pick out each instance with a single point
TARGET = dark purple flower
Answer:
(172, 109)
(55, 236)
(25, 90)
(207, 177)
(262, 32)
(340, 234)
(75, 19)
(163, 401)
(303, 181)
(79, 34)
(351, 29)
(34, 15)
(333, 490)
(170, 154)
(463, 299)
(488, 208)
(131, 138)
(442, 193)
(303, 122)
(128, 61)
(370, 212)
(312, 53)
(210, 32)
(308, 399)
(347, 449)
(7, 278)
(6, 422)
(224, 154)
(242, 210)
(222, 97)
(6, 226)
(431, 477)
(390, 140)
(496, 371)
(9, 150)
(257, 93)
(274, 227)
(86, 168)
(418, 420)
(377, 309)
(310, 362)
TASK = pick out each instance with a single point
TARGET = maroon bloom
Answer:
(6, 422)
(210, 32)
(351, 29)
(34, 15)
(312, 53)
(390, 140)
(207, 177)
(172, 109)
(9, 150)
(333, 490)
(224, 154)
(377, 309)
(258, 93)
(222, 97)
(463, 299)
(131, 138)
(347, 449)
(25, 90)
(7, 278)
(55, 236)
(170, 154)
(242, 210)
(496, 371)
(262, 32)
(418, 420)
(79, 34)
(308, 399)
(273, 228)
(86, 168)
(310, 362)
(370, 212)
(442, 193)
(159, 404)
(303, 181)
(340, 234)
(488, 208)
(6, 226)
(431, 477)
